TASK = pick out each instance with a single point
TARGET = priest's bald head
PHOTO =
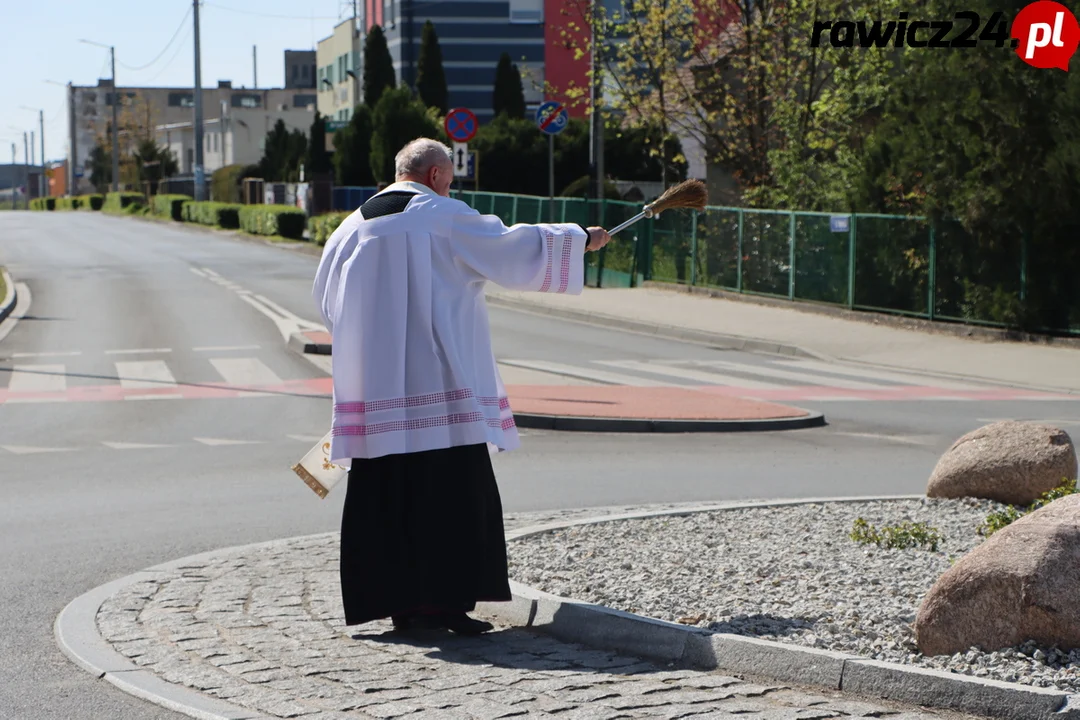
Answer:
(427, 162)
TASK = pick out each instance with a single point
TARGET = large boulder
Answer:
(1019, 585)
(1010, 462)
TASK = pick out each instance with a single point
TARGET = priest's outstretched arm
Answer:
(538, 258)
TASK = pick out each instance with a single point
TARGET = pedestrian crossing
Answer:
(161, 374)
(785, 379)
(108, 376)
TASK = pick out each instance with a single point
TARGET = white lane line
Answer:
(904, 439)
(703, 376)
(305, 438)
(139, 351)
(28, 450)
(225, 348)
(145, 374)
(588, 373)
(198, 272)
(133, 446)
(245, 371)
(210, 272)
(46, 354)
(38, 378)
(806, 379)
(215, 442)
(897, 377)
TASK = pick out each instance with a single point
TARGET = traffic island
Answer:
(621, 408)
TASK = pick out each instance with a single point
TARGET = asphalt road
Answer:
(91, 491)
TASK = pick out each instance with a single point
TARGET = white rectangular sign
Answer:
(461, 159)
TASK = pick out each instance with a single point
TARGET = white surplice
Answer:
(403, 298)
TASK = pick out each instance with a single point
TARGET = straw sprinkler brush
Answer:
(687, 195)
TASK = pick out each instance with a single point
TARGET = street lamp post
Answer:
(71, 134)
(115, 120)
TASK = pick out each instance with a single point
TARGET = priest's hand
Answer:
(598, 238)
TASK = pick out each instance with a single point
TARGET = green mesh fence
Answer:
(885, 263)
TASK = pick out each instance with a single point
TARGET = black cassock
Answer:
(421, 531)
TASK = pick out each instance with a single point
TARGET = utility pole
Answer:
(26, 167)
(255, 66)
(200, 178)
(44, 180)
(14, 177)
(115, 125)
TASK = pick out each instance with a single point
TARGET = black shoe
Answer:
(462, 624)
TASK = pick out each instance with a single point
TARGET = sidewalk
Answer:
(257, 633)
(784, 329)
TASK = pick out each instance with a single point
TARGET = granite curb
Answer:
(697, 649)
(604, 628)
(299, 342)
(7, 303)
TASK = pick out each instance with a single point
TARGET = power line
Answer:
(167, 65)
(163, 50)
(268, 15)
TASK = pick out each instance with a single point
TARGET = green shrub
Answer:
(213, 214)
(69, 203)
(43, 204)
(170, 206)
(124, 202)
(226, 184)
(321, 227)
(1011, 513)
(91, 202)
(283, 220)
(897, 537)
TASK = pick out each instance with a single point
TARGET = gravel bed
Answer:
(789, 574)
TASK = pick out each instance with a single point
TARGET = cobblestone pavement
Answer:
(262, 628)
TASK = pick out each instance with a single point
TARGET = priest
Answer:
(418, 401)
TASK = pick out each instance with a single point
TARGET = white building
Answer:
(233, 136)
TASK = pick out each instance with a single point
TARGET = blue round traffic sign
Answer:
(552, 118)
(461, 125)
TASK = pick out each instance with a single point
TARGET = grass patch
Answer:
(896, 537)
(1011, 513)
(3, 285)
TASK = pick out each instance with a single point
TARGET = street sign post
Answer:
(552, 119)
(461, 125)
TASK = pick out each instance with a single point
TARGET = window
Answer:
(527, 11)
(303, 101)
(185, 100)
(246, 101)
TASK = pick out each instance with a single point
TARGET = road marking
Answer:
(133, 446)
(28, 450)
(805, 379)
(225, 348)
(588, 373)
(210, 272)
(139, 351)
(38, 378)
(46, 354)
(1056, 421)
(22, 307)
(245, 372)
(897, 377)
(305, 438)
(198, 272)
(710, 378)
(144, 374)
(908, 440)
(214, 442)
(154, 397)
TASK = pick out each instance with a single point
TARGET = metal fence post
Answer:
(853, 220)
(513, 212)
(693, 248)
(738, 257)
(931, 281)
(791, 259)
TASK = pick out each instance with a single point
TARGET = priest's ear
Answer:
(440, 177)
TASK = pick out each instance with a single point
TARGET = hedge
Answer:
(91, 202)
(124, 202)
(284, 220)
(321, 227)
(171, 206)
(48, 203)
(215, 214)
(69, 203)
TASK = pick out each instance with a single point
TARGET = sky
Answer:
(40, 44)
